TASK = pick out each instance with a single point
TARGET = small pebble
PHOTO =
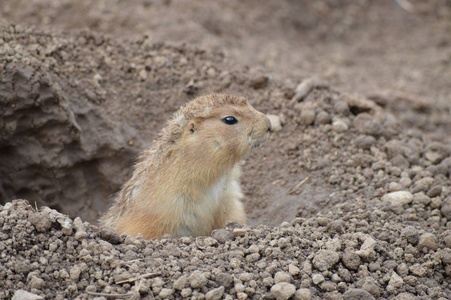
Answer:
(427, 241)
(24, 295)
(317, 278)
(339, 126)
(165, 293)
(215, 294)
(398, 198)
(283, 290)
(302, 294)
(325, 259)
(307, 116)
(276, 124)
(282, 277)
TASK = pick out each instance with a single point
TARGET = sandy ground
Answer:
(359, 173)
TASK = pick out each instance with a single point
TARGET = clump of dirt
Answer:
(361, 185)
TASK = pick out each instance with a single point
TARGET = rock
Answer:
(215, 294)
(302, 294)
(80, 229)
(293, 270)
(418, 270)
(36, 283)
(405, 182)
(109, 235)
(446, 256)
(425, 181)
(74, 273)
(365, 141)
(283, 290)
(240, 231)
(405, 296)
(245, 277)
(323, 118)
(185, 293)
(337, 226)
(366, 124)
(368, 244)
(398, 198)
(224, 279)
(339, 125)
(325, 259)
(307, 116)
(435, 191)
(142, 75)
(367, 248)
(402, 270)
(78, 224)
(411, 234)
(259, 82)
(165, 293)
(427, 241)
(447, 239)
(239, 287)
(181, 282)
(282, 277)
(445, 210)
(197, 280)
(436, 203)
(395, 282)
(421, 198)
(351, 260)
(253, 249)
(394, 148)
(41, 221)
(357, 294)
(345, 274)
(303, 89)
(341, 107)
(394, 187)
(307, 267)
(223, 235)
(433, 157)
(276, 124)
(328, 286)
(370, 285)
(400, 162)
(24, 295)
(317, 278)
(204, 242)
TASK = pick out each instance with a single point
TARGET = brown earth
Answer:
(84, 87)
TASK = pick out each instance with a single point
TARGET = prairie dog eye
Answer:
(229, 120)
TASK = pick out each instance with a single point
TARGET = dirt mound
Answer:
(362, 183)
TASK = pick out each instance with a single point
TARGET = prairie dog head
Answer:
(218, 129)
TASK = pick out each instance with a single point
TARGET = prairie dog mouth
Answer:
(257, 142)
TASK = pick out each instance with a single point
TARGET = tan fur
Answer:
(187, 183)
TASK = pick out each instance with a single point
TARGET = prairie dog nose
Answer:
(268, 124)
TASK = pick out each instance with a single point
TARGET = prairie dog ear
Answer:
(192, 127)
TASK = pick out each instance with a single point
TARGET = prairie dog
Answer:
(187, 183)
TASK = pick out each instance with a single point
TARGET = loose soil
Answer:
(350, 200)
